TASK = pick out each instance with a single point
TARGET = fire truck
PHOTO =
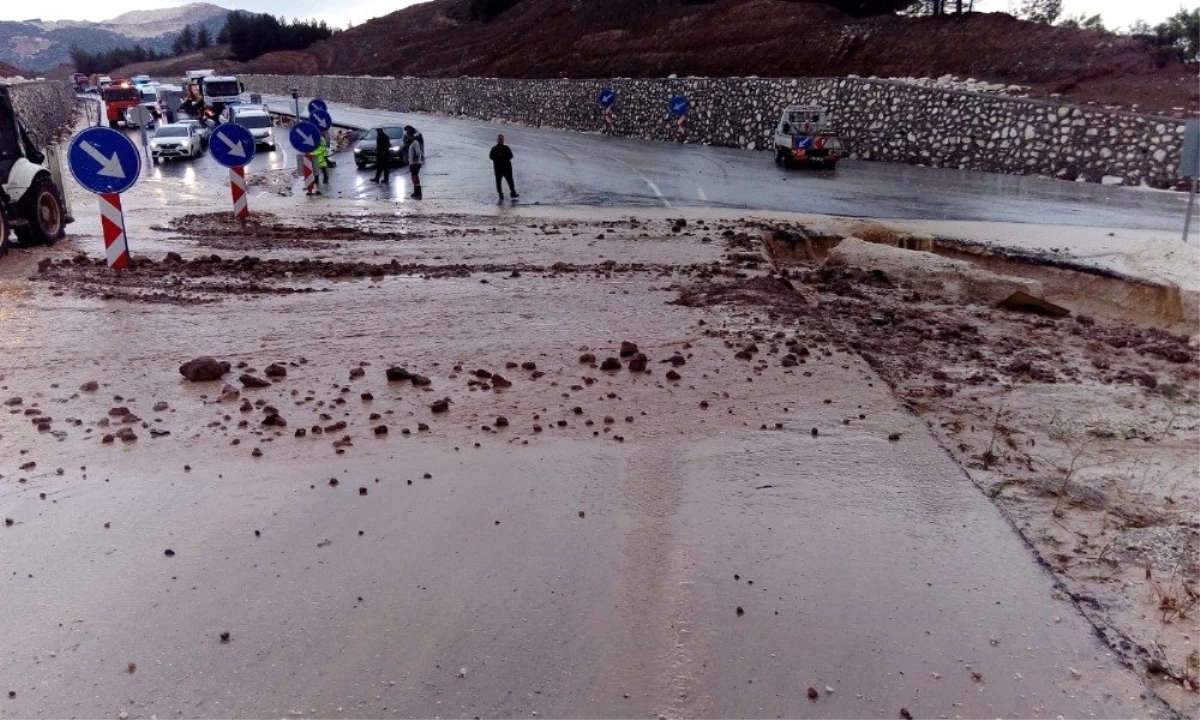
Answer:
(119, 97)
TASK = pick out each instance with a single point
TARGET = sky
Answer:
(340, 13)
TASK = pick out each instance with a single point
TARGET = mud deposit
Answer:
(420, 466)
(1085, 433)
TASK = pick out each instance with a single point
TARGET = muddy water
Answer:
(483, 589)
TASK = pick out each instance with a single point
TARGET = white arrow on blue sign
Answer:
(607, 98)
(231, 145)
(321, 119)
(104, 160)
(305, 137)
(680, 105)
(317, 105)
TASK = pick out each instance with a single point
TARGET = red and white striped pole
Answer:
(116, 247)
(682, 131)
(237, 188)
(608, 121)
(310, 177)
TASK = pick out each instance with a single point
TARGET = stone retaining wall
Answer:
(878, 119)
(46, 106)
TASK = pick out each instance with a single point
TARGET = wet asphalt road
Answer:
(558, 167)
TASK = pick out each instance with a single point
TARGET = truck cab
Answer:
(118, 98)
(31, 201)
(803, 138)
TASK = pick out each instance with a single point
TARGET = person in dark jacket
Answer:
(383, 156)
(502, 156)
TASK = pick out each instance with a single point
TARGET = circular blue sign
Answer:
(231, 145)
(680, 105)
(607, 98)
(305, 137)
(104, 160)
(321, 119)
(317, 105)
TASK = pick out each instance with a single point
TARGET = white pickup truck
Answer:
(801, 138)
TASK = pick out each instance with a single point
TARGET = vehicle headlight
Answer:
(358, 151)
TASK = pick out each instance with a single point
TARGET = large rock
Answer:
(203, 369)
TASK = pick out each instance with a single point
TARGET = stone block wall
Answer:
(878, 119)
(46, 106)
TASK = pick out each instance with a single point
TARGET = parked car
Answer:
(177, 140)
(364, 150)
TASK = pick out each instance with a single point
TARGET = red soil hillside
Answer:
(647, 38)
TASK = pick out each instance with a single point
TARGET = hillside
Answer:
(8, 71)
(642, 38)
(40, 45)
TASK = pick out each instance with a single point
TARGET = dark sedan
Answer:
(364, 149)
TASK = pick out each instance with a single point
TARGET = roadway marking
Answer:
(647, 180)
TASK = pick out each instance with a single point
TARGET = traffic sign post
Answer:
(233, 146)
(141, 115)
(112, 220)
(321, 119)
(607, 98)
(1189, 169)
(305, 137)
(107, 163)
(680, 106)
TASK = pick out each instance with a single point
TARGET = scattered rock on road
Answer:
(203, 369)
(251, 381)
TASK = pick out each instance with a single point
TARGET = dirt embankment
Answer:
(731, 38)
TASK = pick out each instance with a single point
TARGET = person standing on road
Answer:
(383, 156)
(415, 152)
(502, 157)
(321, 157)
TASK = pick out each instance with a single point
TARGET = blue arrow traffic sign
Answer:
(317, 105)
(104, 160)
(321, 119)
(231, 145)
(607, 98)
(305, 137)
(680, 105)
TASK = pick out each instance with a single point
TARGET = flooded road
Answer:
(566, 168)
(714, 536)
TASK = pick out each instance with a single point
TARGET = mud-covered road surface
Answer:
(736, 517)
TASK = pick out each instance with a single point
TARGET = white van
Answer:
(258, 122)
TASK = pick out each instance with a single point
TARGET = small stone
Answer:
(672, 375)
(169, 552)
(356, 373)
(740, 611)
(638, 363)
(582, 514)
(90, 386)
(274, 420)
(275, 370)
(381, 430)
(815, 432)
(203, 369)
(610, 364)
(440, 406)
(8, 522)
(420, 380)
(904, 713)
(398, 374)
(529, 365)
(894, 437)
(499, 382)
(362, 491)
(628, 349)
(225, 637)
(813, 694)
(132, 668)
(501, 421)
(250, 381)
(301, 432)
(126, 435)
(587, 358)
(256, 452)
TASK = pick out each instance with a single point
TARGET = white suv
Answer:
(175, 141)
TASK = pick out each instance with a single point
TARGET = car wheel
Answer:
(44, 214)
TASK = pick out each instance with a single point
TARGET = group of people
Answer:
(501, 156)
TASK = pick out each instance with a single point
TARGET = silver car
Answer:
(175, 141)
